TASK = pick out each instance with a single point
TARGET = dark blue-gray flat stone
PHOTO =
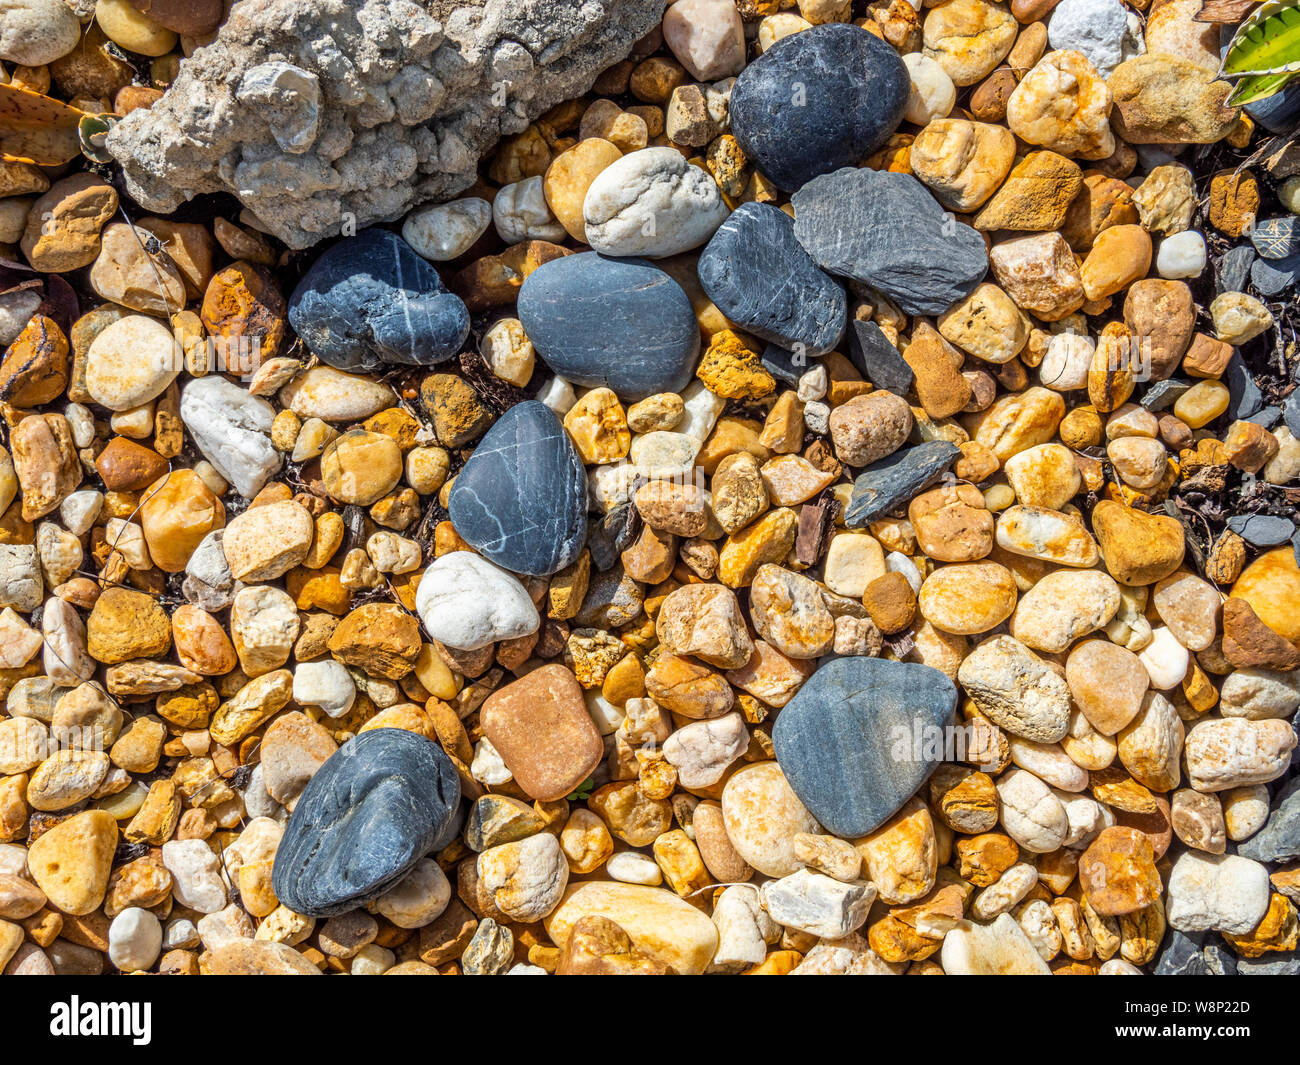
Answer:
(887, 231)
(785, 365)
(620, 323)
(1262, 530)
(896, 478)
(521, 499)
(859, 738)
(1286, 963)
(760, 277)
(1291, 412)
(371, 301)
(1164, 394)
(1265, 416)
(1277, 238)
(1279, 839)
(877, 359)
(818, 100)
(380, 803)
(1271, 277)
(1189, 955)
(1244, 396)
(1234, 268)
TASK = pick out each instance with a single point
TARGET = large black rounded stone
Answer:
(371, 301)
(818, 100)
(760, 277)
(620, 323)
(861, 737)
(521, 499)
(381, 803)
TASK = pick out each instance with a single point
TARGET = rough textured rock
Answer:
(348, 113)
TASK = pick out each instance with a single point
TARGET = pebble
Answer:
(130, 363)
(334, 396)
(446, 231)
(652, 203)
(1063, 104)
(134, 940)
(762, 813)
(566, 307)
(1101, 29)
(1181, 255)
(232, 429)
(36, 32)
(999, 948)
(932, 95)
(758, 275)
(371, 301)
(850, 223)
(1216, 892)
(852, 713)
(330, 857)
(852, 92)
(887, 482)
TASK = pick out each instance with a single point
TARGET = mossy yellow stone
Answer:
(767, 540)
(732, 368)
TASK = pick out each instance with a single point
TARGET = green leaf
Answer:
(1266, 43)
(1256, 87)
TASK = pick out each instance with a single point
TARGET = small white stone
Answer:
(135, 939)
(629, 867)
(392, 553)
(700, 411)
(997, 949)
(466, 602)
(508, 351)
(131, 362)
(1119, 967)
(607, 716)
(520, 212)
(933, 93)
(652, 202)
(446, 230)
(1245, 811)
(196, 874)
(526, 878)
(220, 929)
(897, 562)
(65, 658)
(1259, 694)
(1012, 886)
(372, 960)
(334, 396)
(818, 904)
(135, 424)
(1182, 255)
(1288, 194)
(817, 416)
(79, 510)
(82, 424)
(1165, 659)
(744, 928)
(233, 431)
(1216, 892)
(1101, 29)
(664, 454)
(488, 767)
(558, 394)
(1065, 366)
(326, 684)
(813, 384)
(702, 750)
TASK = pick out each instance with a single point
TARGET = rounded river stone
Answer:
(620, 323)
(521, 499)
(818, 100)
(371, 301)
(861, 737)
(379, 804)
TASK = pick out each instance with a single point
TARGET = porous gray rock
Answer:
(338, 114)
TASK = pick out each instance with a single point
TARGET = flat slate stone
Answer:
(760, 277)
(786, 366)
(612, 534)
(620, 323)
(1284, 964)
(1266, 416)
(853, 740)
(818, 100)
(1279, 839)
(371, 301)
(1244, 396)
(1189, 955)
(380, 803)
(521, 499)
(1277, 238)
(877, 359)
(896, 478)
(1271, 277)
(887, 231)
(1164, 394)
(1234, 268)
(1291, 413)
(1262, 530)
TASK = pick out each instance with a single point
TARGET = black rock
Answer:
(1189, 955)
(521, 499)
(1271, 277)
(896, 478)
(760, 277)
(1279, 839)
(1277, 238)
(621, 323)
(861, 736)
(1244, 396)
(1164, 394)
(877, 359)
(887, 231)
(1234, 268)
(379, 804)
(613, 534)
(818, 100)
(785, 365)
(1284, 964)
(371, 301)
